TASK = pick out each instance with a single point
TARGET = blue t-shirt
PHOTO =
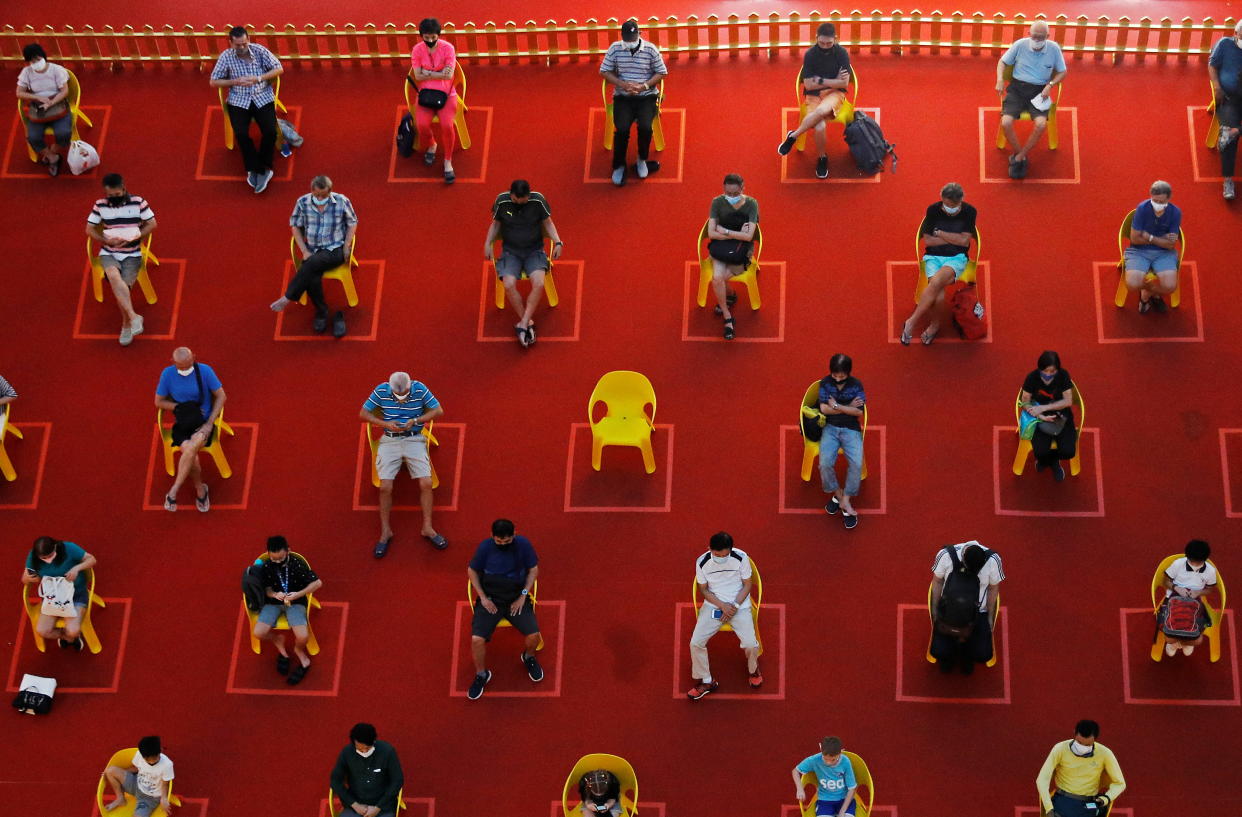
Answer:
(1146, 220)
(73, 557)
(1227, 60)
(512, 561)
(184, 389)
(1035, 67)
(420, 401)
(834, 781)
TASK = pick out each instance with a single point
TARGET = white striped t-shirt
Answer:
(639, 66)
(124, 222)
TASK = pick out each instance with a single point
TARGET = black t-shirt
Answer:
(1044, 394)
(938, 219)
(613, 791)
(521, 225)
(290, 576)
(824, 64)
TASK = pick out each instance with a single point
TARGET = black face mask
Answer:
(118, 201)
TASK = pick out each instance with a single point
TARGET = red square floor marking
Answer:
(65, 666)
(190, 806)
(553, 323)
(29, 456)
(17, 164)
(469, 166)
(315, 683)
(901, 276)
(792, 486)
(753, 325)
(216, 163)
(1040, 489)
(1126, 325)
(369, 280)
(452, 437)
(1036, 811)
(1187, 674)
(645, 807)
(414, 807)
(1203, 160)
(621, 473)
(239, 449)
(509, 679)
(1232, 511)
(104, 319)
(841, 167)
(727, 658)
(914, 650)
(597, 166)
(1045, 164)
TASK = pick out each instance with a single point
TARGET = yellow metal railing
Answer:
(896, 33)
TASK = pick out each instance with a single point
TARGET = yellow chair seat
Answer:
(75, 110)
(657, 124)
(124, 759)
(144, 279)
(810, 448)
(1024, 446)
(1123, 235)
(862, 776)
(1053, 135)
(282, 623)
(216, 449)
(229, 139)
(34, 607)
(845, 115)
(749, 277)
(618, 766)
(7, 428)
(374, 441)
(1215, 614)
(504, 622)
(625, 395)
(459, 121)
(549, 283)
(342, 273)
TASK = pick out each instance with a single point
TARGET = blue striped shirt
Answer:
(643, 64)
(420, 401)
(231, 66)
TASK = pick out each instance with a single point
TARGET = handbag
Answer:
(188, 415)
(35, 697)
(1051, 428)
(1026, 426)
(39, 113)
(432, 98)
(57, 595)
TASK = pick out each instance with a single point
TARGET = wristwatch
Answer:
(525, 592)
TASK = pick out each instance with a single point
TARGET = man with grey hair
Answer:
(1225, 74)
(1038, 66)
(192, 392)
(947, 230)
(402, 408)
(323, 225)
(1154, 232)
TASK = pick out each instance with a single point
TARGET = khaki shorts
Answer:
(128, 266)
(393, 451)
(829, 103)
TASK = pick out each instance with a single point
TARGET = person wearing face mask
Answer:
(635, 68)
(193, 393)
(402, 407)
(1038, 67)
(1225, 74)
(247, 70)
(522, 219)
(52, 557)
(42, 88)
(732, 221)
(432, 63)
(1192, 576)
(947, 230)
(367, 776)
(723, 574)
(841, 401)
(825, 76)
(1048, 396)
(502, 576)
(120, 222)
(288, 582)
(1154, 232)
(323, 225)
(1077, 768)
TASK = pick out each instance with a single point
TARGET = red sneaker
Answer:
(756, 679)
(700, 689)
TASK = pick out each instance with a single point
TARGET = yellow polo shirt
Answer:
(1079, 775)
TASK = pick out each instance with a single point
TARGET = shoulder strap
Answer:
(957, 563)
(199, 377)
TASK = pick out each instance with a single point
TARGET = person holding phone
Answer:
(52, 557)
(723, 574)
(247, 69)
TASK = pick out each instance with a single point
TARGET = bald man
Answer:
(192, 392)
(1038, 67)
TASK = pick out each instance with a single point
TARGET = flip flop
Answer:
(906, 337)
(926, 338)
(730, 299)
(449, 177)
(297, 674)
(282, 664)
(437, 541)
(170, 503)
(381, 547)
(429, 157)
(729, 334)
(203, 503)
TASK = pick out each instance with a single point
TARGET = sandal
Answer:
(437, 541)
(170, 503)
(728, 329)
(906, 337)
(429, 157)
(928, 336)
(523, 336)
(449, 177)
(298, 673)
(730, 299)
(282, 664)
(203, 503)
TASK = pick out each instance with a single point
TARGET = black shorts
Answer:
(484, 623)
(1018, 98)
(180, 435)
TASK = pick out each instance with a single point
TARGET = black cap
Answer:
(629, 31)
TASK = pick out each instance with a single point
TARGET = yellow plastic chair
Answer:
(749, 277)
(34, 606)
(459, 121)
(335, 812)
(504, 622)
(862, 776)
(968, 277)
(1053, 138)
(1024, 446)
(626, 396)
(374, 441)
(810, 448)
(1213, 134)
(549, 283)
(619, 766)
(657, 124)
(932, 659)
(215, 449)
(845, 114)
(1123, 235)
(124, 758)
(229, 140)
(144, 280)
(755, 603)
(282, 623)
(342, 273)
(1212, 631)
(74, 99)
(6, 428)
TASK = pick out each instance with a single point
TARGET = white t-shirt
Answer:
(991, 574)
(46, 83)
(151, 779)
(724, 581)
(1183, 575)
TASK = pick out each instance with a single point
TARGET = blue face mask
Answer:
(1047, 378)
(733, 199)
(951, 210)
(321, 202)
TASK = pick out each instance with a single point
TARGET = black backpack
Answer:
(252, 588)
(405, 135)
(959, 600)
(867, 144)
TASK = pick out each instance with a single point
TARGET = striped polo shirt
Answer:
(420, 401)
(639, 65)
(123, 221)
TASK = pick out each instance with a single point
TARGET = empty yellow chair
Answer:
(549, 283)
(282, 623)
(215, 449)
(229, 139)
(1053, 138)
(7, 428)
(931, 658)
(335, 811)
(968, 277)
(504, 622)
(625, 396)
(459, 121)
(756, 602)
(749, 277)
(34, 606)
(74, 99)
(144, 280)
(1024, 446)
(862, 776)
(124, 759)
(845, 114)
(657, 125)
(342, 273)
(1213, 134)
(810, 448)
(1123, 235)
(619, 766)
(374, 441)
(1212, 631)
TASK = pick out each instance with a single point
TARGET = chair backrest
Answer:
(75, 92)
(1123, 235)
(623, 392)
(619, 766)
(811, 400)
(863, 776)
(1158, 580)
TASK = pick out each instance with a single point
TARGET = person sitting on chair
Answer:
(367, 776)
(1154, 232)
(1048, 396)
(193, 393)
(7, 395)
(520, 219)
(323, 225)
(288, 582)
(148, 778)
(1038, 67)
(52, 557)
(723, 575)
(1225, 74)
(731, 223)
(962, 618)
(600, 792)
(1077, 768)
(43, 88)
(635, 69)
(1190, 577)
(841, 401)
(947, 230)
(247, 70)
(834, 796)
(502, 575)
(120, 222)
(825, 76)
(432, 64)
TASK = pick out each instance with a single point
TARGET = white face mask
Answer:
(1081, 749)
(323, 201)
(186, 372)
(733, 199)
(39, 65)
(367, 753)
(951, 210)
(1158, 206)
(719, 559)
(1038, 45)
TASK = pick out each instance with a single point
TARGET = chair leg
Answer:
(1119, 299)
(40, 644)
(1000, 137)
(608, 126)
(463, 132)
(597, 450)
(1157, 648)
(435, 478)
(351, 292)
(864, 466)
(500, 294)
(549, 289)
(801, 143)
(1019, 459)
(228, 129)
(168, 458)
(1213, 634)
(312, 643)
(217, 453)
(648, 455)
(1076, 462)
(1053, 138)
(752, 288)
(1175, 300)
(809, 452)
(657, 132)
(1213, 133)
(97, 277)
(80, 116)
(92, 639)
(6, 465)
(256, 646)
(705, 279)
(144, 283)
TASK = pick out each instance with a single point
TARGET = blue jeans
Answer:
(1069, 807)
(62, 129)
(849, 441)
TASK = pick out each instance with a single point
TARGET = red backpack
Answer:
(1182, 618)
(968, 313)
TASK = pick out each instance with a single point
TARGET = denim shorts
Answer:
(295, 614)
(934, 263)
(1150, 258)
(513, 263)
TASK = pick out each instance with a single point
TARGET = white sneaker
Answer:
(618, 176)
(1225, 137)
(136, 326)
(642, 169)
(1188, 649)
(127, 335)
(1170, 649)
(1228, 190)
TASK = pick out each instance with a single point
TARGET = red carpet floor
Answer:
(845, 631)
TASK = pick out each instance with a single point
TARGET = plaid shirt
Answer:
(231, 66)
(326, 230)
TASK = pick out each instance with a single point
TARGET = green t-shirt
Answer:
(74, 555)
(721, 209)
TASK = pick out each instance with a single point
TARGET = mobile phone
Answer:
(717, 613)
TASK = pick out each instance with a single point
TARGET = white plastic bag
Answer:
(82, 157)
(57, 595)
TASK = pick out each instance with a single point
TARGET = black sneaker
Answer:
(532, 667)
(1158, 304)
(946, 666)
(338, 325)
(77, 644)
(851, 520)
(821, 168)
(1058, 473)
(480, 681)
(1041, 466)
(833, 506)
(320, 324)
(967, 667)
(787, 145)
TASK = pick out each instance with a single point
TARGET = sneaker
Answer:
(1186, 650)
(851, 520)
(476, 687)
(641, 168)
(967, 667)
(1170, 649)
(136, 326)
(756, 679)
(127, 335)
(1158, 304)
(787, 145)
(338, 325)
(261, 180)
(1144, 306)
(532, 667)
(618, 176)
(1058, 472)
(320, 324)
(1228, 192)
(702, 688)
(833, 506)
(252, 179)
(76, 644)
(821, 168)
(53, 168)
